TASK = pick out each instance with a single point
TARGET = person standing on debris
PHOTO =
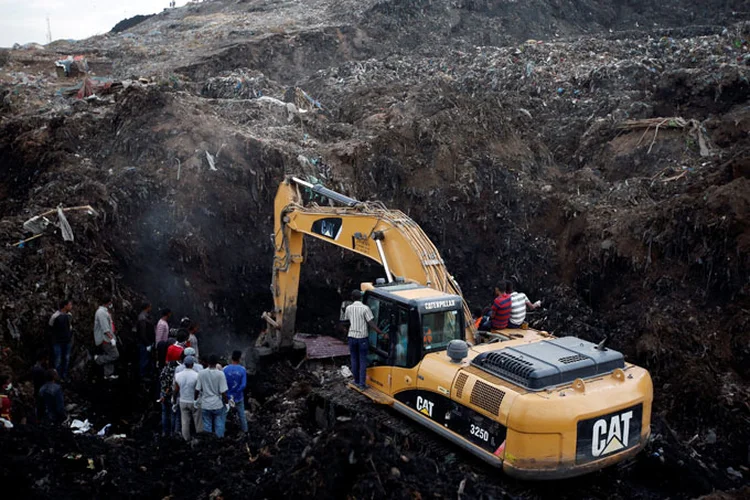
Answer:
(237, 381)
(519, 303)
(359, 317)
(163, 341)
(39, 378)
(175, 351)
(162, 327)
(61, 336)
(184, 386)
(212, 389)
(192, 338)
(501, 307)
(167, 400)
(52, 398)
(5, 402)
(145, 338)
(104, 338)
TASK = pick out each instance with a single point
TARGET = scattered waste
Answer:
(79, 427)
(211, 161)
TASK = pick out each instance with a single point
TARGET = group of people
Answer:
(508, 310)
(202, 397)
(48, 394)
(192, 396)
(45, 375)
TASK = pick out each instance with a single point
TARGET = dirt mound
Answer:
(126, 24)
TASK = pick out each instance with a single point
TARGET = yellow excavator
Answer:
(536, 405)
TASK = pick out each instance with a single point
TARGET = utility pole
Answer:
(49, 31)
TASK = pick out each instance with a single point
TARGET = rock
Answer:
(397, 473)
(711, 437)
(734, 473)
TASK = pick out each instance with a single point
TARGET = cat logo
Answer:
(611, 434)
(424, 406)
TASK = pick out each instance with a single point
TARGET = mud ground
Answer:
(595, 151)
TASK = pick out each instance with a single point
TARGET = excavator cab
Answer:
(415, 321)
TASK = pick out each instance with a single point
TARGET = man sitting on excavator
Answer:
(359, 317)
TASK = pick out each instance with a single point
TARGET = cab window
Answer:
(439, 328)
(391, 347)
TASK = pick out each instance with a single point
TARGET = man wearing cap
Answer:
(184, 386)
(189, 351)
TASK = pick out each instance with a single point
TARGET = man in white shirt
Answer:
(359, 317)
(518, 304)
(212, 387)
(184, 385)
(104, 338)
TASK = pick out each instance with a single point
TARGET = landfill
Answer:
(594, 151)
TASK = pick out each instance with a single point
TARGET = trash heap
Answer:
(605, 171)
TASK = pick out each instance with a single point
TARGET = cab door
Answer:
(390, 349)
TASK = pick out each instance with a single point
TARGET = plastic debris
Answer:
(67, 231)
(346, 372)
(211, 161)
(79, 427)
(104, 430)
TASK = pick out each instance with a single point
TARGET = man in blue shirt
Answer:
(237, 381)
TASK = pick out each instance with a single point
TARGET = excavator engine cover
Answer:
(549, 363)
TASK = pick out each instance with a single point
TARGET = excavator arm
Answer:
(388, 237)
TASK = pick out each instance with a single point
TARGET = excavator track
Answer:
(336, 402)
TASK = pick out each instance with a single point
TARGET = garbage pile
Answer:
(605, 172)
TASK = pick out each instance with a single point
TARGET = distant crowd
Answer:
(195, 394)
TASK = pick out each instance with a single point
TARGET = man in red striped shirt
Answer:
(501, 309)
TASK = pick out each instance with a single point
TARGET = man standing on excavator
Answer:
(359, 317)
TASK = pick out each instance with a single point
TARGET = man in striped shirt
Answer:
(519, 303)
(501, 307)
(359, 317)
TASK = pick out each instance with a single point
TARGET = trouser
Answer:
(144, 361)
(214, 421)
(176, 419)
(166, 416)
(512, 326)
(189, 413)
(108, 358)
(62, 357)
(41, 409)
(239, 406)
(358, 351)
